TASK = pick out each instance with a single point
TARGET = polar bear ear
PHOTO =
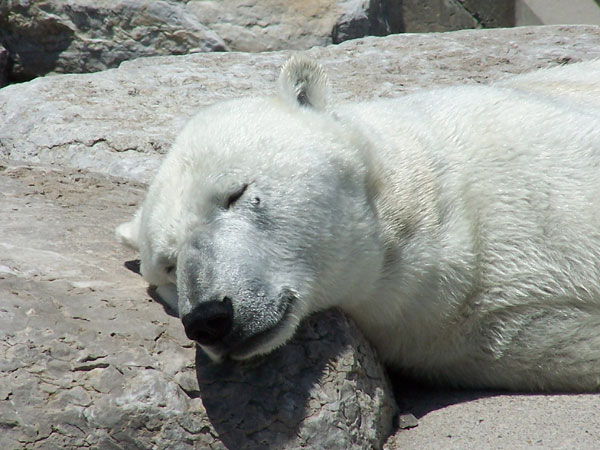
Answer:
(128, 233)
(303, 82)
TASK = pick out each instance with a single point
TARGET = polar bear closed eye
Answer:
(459, 227)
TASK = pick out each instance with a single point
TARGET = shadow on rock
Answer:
(34, 50)
(324, 389)
(154, 295)
(133, 265)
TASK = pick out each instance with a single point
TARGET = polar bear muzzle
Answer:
(213, 325)
(226, 305)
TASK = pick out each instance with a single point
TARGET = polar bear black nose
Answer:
(209, 322)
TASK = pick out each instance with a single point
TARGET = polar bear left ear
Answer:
(303, 82)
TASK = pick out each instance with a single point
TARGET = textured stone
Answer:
(3, 66)
(549, 12)
(54, 36)
(253, 26)
(435, 15)
(418, 16)
(92, 35)
(499, 13)
(87, 359)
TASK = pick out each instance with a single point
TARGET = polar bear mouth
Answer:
(263, 342)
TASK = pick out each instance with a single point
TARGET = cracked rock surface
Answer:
(88, 359)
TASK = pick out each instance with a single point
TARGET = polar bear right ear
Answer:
(303, 82)
(128, 233)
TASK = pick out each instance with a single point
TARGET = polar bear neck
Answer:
(419, 246)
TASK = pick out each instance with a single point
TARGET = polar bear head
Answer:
(262, 213)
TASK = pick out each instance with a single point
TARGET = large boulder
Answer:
(92, 35)
(418, 16)
(87, 358)
(54, 36)
(266, 25)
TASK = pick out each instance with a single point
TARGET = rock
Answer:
(88, 36)
(3, 66)
(92, 35)
(407, 421)
(88, 360)
(327, 389)
(418, 16)
(492, 14)
(548, 12)
(121, 121)
(360, 19)
(256, 26)
(435, 15)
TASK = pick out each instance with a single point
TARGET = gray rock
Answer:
(435, 15)
(360, 19)
(255, 26)
(419, 16)
(92, 35)
(3, 66)
(548, 12)
(499, 13)
(88, 360)
(407, 421)
(88, 36)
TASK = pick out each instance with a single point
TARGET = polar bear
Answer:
(459, 227)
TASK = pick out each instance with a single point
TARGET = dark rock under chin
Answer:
(327, 370)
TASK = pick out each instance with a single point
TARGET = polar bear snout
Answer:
(209, 322)
(228, 303)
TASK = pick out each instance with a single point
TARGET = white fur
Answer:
(459, 227)
(303, 83)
